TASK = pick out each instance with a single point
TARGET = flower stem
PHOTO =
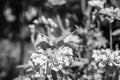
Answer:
(110, 29)
(98, 24)
(60, 23)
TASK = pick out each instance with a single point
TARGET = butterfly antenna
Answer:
(77, 28)
(39, 32)
(73, 32)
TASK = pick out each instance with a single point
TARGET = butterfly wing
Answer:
(59, 41)
(43, 41)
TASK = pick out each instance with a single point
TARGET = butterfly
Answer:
(43, 41)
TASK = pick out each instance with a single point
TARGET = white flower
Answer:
(32, 28)
(106, 56)
(65, 51)
(110, 14)
(55, 69)
(103, 57)
(37, 74)
(57, 2)
(96, 55)
(72, 38)
(8, 13)
(98, 3)
(116, 58)
(56, 59)
(36, 21)
(30, 13)
(30, 63)
(38, 59)
(39, 50)
(62, 57)
(66, 61)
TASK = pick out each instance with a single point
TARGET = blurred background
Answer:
(16, 15)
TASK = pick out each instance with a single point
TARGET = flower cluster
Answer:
(62, 57)
(55, 59)
(97, 3)
(38, 63)
(107, 56)
(110, 14)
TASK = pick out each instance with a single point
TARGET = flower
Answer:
(72, 38)
(62, 57)
(55, 59)
(57, 2)
(105, 56)
(116, 58)
(97, 3)
(38, 65)
(110, 14)
(32, 28)
(65, 50)
(30, 13)
(38, 59)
